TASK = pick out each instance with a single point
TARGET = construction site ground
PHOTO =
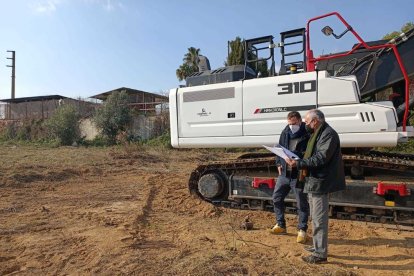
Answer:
(127, 210)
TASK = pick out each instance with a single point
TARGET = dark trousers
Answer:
(282, 189)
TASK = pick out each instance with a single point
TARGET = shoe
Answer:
(277, 230)
(310, 249)
(314, 260)
(301, 237)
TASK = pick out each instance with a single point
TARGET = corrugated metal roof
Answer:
(34, 99)
(129, 91)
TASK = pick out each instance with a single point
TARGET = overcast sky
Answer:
(85, 47)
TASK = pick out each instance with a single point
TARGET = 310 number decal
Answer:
(297, 87)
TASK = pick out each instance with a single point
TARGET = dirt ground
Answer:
(127, 210)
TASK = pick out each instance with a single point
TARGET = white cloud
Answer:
(108, 5)
(45, 6)
(50, 6)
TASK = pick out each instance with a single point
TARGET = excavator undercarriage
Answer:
(382, 194)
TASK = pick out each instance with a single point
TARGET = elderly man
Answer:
(322, 170)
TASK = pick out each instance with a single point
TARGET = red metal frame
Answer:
(383, 188)
(310, 62)
(257, 182)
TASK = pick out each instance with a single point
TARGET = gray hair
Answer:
(316, 114)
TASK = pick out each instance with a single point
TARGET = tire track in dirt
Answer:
(143, 219)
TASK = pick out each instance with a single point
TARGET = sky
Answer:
(80, 48)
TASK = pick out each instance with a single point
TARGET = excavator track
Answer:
(394, 168)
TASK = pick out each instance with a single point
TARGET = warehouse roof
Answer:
(34, 99)
(129, 91)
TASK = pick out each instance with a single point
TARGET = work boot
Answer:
(277, 230)
(311, 259)
(301, 236)
(310, 249)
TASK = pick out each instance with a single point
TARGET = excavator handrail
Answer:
(311, 60)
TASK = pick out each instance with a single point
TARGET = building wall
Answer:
(2, 111)
(142, 127)
(44, 109)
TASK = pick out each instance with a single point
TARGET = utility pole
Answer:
(13, 76)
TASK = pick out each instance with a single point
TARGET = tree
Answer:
(63, 125)
(191, 57)
(236, 57)
(236, 54)
(405, 28)
(190, 64)
(184, 71)
(114, 116)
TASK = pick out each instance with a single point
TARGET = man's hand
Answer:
(291, 162)
(279, 168)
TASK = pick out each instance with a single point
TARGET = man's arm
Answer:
(300, 150)
(278, 159)
(326, 148)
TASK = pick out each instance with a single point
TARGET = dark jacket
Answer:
(325, 166)
(300, 146)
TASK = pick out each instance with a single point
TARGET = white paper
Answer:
(282, 152)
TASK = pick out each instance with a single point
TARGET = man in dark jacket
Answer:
(323, 170)
(295, 138)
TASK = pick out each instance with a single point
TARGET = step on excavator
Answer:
(235, 106)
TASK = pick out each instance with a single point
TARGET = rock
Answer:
(356, 267)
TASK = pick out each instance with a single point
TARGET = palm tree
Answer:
(190, 64)
(183, 71)
(191, 57)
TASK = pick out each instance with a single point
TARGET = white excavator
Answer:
(234, 106)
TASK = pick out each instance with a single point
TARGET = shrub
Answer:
(114, 116)
(163, 140)
(64, 125)
(9, 132)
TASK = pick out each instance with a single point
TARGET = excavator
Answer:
(236, 106)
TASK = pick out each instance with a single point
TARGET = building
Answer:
(150, 112)
(40, 107)
(140, 101)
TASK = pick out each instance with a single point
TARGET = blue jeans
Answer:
(282, 189)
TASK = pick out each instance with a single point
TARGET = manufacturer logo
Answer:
(271, 110)
(283, 109)
(203, 113)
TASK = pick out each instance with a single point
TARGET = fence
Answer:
(3, 111)
(42, 109)
(147, 127)
(142, 127)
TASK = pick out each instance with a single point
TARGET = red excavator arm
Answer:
(311, 60)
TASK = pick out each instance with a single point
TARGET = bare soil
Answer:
(127, 210)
